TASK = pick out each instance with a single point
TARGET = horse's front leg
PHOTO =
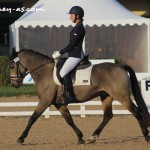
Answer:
(66, 114)
(41, 107)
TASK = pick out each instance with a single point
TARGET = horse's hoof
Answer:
(92, 139)
(147, 139)
(20, 141)
(81, 142)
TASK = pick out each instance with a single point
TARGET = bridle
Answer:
(19, 76)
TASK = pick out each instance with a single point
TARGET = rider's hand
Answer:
(56, 54)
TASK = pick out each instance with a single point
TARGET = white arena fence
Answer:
(82, 111)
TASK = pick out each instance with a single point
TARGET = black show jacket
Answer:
(74, 48)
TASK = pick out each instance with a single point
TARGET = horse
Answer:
(109, 81)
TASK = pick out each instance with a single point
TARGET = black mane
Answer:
(36, 53)
(15, 54)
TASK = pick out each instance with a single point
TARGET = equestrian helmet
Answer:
(77, 10)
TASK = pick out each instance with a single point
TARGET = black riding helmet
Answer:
(77, 10)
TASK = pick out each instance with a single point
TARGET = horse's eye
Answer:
(11, 66)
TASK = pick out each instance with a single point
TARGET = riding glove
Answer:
(56, 54)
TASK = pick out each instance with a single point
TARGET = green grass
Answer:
(11, 91)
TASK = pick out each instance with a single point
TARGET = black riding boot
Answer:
(69, 93)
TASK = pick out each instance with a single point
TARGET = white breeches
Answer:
(69, 65)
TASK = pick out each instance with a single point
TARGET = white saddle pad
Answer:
(83, 76)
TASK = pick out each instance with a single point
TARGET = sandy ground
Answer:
(121, 133)
(19, 99)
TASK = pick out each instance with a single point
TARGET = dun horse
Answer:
(109, 81)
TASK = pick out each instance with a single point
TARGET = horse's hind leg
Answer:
(137, 114)
(66, 114)
(107, 108)
(41, 107)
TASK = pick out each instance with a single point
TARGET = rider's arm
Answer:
(75, 37)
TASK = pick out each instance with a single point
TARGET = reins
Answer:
(22, 75)
(39, 67)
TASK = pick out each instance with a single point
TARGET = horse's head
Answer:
(24, 62)
(16, 69)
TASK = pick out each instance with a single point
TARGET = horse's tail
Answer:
(138, 96)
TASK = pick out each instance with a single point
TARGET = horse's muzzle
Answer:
(16, 81)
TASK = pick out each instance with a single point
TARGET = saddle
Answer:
(85, 63)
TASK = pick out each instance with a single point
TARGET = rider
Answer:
(74, 49)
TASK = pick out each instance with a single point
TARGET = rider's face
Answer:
(72, 17)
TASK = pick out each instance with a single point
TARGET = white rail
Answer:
(82, 111)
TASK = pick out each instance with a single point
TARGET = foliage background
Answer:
(4, 73)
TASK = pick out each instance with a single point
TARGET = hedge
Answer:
(4, 72)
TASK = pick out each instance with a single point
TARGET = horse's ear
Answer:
(13, 54)
(13, 51)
